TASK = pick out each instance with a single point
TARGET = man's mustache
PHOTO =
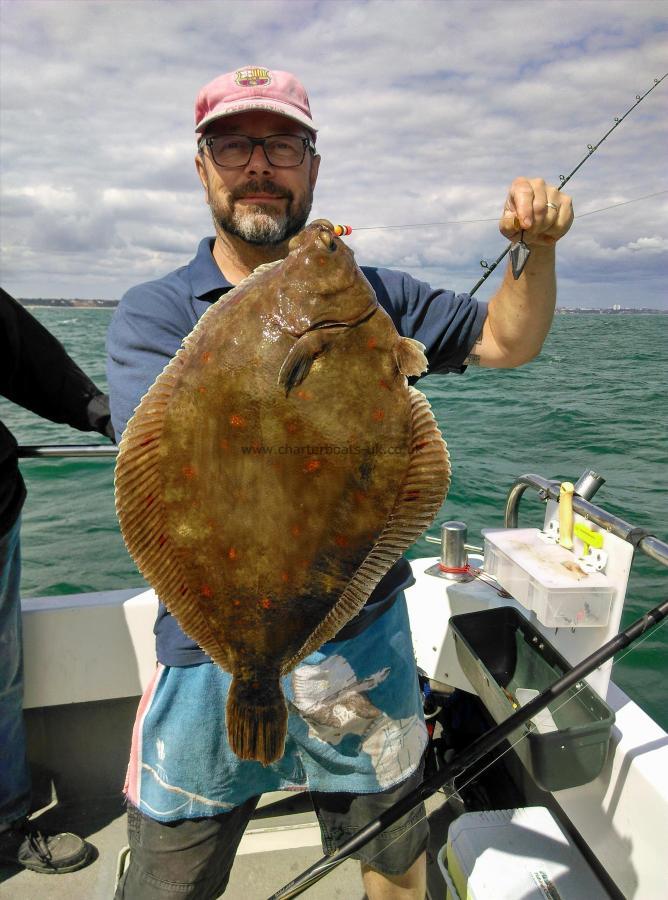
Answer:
(261, 187)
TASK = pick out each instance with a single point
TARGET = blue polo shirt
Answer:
(152, 320)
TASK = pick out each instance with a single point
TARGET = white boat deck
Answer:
(87, 658)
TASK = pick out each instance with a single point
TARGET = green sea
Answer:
(595, 398)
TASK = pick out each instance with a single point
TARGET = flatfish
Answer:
(276, 470)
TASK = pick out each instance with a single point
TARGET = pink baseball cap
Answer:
(253, 87)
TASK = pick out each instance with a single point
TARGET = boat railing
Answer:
(548, 489)
(51, 451)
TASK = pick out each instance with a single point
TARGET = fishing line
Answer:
(496, 218)
(449, 793)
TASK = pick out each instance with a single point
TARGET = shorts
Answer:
(192, 858)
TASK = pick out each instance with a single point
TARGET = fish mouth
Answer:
(351, 323)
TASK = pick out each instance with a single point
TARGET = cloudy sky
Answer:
(427, 110)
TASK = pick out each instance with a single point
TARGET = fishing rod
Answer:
(519, 247)
(473, 753)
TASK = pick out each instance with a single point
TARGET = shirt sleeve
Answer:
(37, 373)
(447, 324)
(145, 333)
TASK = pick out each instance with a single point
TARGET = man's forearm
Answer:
(521, 312)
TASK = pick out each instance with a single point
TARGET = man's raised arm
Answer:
(520, 313)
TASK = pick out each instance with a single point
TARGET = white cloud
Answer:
(427, 111)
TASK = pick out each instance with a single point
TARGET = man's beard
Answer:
(261, 224)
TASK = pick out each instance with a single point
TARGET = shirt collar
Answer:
(205, 276)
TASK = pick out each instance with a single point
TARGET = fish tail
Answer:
(257, 718)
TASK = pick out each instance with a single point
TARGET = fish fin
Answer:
(142, 516)
(410, 357)
(137, 478)
(257, 718)
(297, 364)
(418, 500)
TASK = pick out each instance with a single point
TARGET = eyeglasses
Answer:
(234, 151)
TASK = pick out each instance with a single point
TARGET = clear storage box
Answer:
(547, 579)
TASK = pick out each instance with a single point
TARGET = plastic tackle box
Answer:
(547, 579)
(512, 853)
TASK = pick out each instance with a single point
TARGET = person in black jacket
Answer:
(36, 373)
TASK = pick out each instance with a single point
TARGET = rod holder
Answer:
(588, 484)
(454, 564)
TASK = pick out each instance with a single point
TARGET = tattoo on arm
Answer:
(473, 359)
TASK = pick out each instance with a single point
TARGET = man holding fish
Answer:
(354, 734)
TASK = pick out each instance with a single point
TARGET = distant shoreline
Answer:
(40, 302)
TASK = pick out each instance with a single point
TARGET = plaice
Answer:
(277, 469)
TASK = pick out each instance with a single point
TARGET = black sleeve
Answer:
(37, 373)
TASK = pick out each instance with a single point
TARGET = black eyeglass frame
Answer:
(307, 144)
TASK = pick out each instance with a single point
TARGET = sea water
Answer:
(594, 398)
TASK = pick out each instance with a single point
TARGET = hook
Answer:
(484, 264)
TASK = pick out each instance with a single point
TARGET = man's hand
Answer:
(538, 209)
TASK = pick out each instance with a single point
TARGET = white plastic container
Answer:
(546, 578)
(516, 853)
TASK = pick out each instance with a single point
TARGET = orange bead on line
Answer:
(342, 230)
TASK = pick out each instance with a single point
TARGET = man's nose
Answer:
(258, 162)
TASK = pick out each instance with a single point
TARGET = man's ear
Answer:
(203, 177)
(315, 166)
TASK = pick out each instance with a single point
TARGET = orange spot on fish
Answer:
(383, 383)
(206, 357)
(378, 415)
(305, 395)
(206, 591)
(359, 496)
(371, 343)
(162, 540)
(149, 499)
(312, 465)
(189, 471)
(285, 577)
(340, 540)
(201, 389)
(232, 553)
(224, 444)
(292, 427)
(296, 530)
(265, 603)
(236, 602)
(237, 421)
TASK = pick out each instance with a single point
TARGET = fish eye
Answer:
(328, 240)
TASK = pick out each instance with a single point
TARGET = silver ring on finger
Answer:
(552, 205)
